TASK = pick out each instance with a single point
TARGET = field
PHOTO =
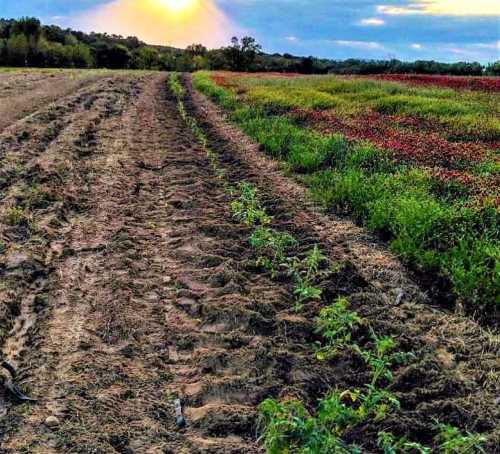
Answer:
(174, 282)
(417, 165)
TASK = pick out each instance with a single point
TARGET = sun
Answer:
(179, 6)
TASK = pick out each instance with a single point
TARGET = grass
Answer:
(425, 226)
(351, 96)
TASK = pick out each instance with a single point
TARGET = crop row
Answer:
(428, 222)
(287, 426)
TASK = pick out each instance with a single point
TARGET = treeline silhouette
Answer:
(28, 43)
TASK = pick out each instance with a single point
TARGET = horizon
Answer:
(364, 29)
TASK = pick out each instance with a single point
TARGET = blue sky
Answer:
(446, 30)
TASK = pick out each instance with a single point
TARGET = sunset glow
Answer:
(176, 23)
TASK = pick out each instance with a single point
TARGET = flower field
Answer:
(418, 165)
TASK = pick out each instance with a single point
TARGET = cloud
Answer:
(372, 22)
(444, 8)
(417, 46)
(158, 22)
(292, 39)
(358, 44)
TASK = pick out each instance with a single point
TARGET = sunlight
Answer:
(180, 6)
(177, 23)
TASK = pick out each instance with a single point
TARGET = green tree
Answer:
(27, 26)
(493, 69)
(18, 50)
(241, 54)
(79, 56)
(147, 58)
(196, 50)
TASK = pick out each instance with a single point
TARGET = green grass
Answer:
(436, 230)
(466, 114)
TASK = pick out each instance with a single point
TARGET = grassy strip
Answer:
(425, 223)
(286, 426)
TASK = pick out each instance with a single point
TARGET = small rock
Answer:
(52, 422)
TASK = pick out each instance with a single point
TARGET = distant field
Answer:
(417, 164)
(460, 83)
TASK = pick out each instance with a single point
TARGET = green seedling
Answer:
(272, 246)
(381, 359)
(391, 444)
(247, 208)
(335, 323)
(452, 441)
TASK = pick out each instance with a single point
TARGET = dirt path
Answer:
(135, 287)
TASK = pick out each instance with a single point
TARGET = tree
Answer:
(17, 50)
(147, 58)
(79, 56)
(27, 26)
(196, 50)
(493, 69)
(241, 54)
(3, 52)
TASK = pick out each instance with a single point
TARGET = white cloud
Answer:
(372, 22)
(358, 44)
(417, 46)
(292, 39)
(444, 8)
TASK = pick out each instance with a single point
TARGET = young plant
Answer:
(335, 323)
(381, 359)
(305, 273)
(377, 403)
(247, 208)
(452, 441)
(273, 247)
(391, 444)
(286, 427)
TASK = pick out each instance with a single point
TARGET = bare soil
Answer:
(123, 288)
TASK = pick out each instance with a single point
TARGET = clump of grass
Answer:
(14, 216)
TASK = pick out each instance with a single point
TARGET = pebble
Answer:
(52, 422)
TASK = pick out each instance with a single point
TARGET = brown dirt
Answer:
(124, 288)
(23, 92)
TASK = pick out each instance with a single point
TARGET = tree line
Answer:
(28, 43)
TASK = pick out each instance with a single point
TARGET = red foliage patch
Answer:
(490, 84)
(425, 147)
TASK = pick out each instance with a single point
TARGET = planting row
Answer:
(287, 426)
(437, 225)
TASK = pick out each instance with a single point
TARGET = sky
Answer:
(445, 30)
